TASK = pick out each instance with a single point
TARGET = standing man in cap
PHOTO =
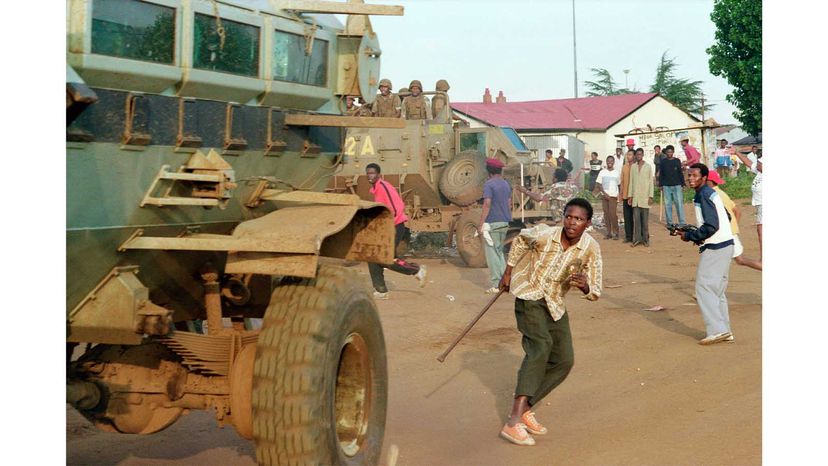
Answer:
(716, 247)
(385, 193)
(386, 105)
(415, 106)
(641, 196)
(497, 213)
(544, 264)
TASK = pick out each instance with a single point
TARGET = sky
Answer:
(524, 47)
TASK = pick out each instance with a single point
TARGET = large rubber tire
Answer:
(320, 379)
(470, 247)
(463, 178)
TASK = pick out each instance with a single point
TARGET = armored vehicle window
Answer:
(516, 141)
(133, 29)
(291, 64)
(473, 141)
(240, 54)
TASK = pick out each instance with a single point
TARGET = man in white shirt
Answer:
(753, 162)
(608, 182)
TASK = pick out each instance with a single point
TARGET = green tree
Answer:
(604, 84)
(684, 93)
(737, 56)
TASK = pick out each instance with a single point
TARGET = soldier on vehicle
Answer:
(438, 102)
(351, 108)
(386, 105)
(416, 106)
(364, 109)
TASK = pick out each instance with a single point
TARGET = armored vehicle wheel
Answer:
(463, 177)
(320, 376)
(469, 246)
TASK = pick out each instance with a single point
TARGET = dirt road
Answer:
(641, 392)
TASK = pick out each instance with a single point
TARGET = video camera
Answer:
(676, 227)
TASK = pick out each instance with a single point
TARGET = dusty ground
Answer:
(642, 391)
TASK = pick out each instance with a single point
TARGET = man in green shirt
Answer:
(641, 196)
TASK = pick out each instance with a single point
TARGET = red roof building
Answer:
(588, 113)
(592, 120)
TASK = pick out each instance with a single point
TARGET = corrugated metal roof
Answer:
(587, 113)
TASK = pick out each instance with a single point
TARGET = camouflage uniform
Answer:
(559, 194)
(416, 108)
(386, 106)
(438, 102)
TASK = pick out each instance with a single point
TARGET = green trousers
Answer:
(548, 347)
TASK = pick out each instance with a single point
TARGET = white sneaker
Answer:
(730, 339)
(378, 295)
(493, 290)
(717, 338)
(421, 276)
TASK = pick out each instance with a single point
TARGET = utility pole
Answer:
(574, 51)
(702, 102)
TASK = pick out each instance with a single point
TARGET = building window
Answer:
(240, 54)
(133, 29)
(290, 63)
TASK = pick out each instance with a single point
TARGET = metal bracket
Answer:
(184, 138)
(231, 145)
(131, 137)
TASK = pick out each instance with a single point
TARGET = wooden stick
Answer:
(454, 343)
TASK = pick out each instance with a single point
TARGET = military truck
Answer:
(439, 167)
(200, 135)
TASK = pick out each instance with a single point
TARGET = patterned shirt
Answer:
(544, 271)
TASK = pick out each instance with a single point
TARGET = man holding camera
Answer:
(715, 239)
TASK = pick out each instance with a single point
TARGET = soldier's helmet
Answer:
(415, 83)
(385, 82)
(442, 85)
(403, 90)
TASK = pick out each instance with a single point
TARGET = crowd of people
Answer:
(545, 262)
(636, 186)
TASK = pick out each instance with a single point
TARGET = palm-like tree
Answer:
(684, 93)
(604, 84)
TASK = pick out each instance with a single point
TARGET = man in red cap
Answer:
(714, 181)
(497, 213)
(631, 144)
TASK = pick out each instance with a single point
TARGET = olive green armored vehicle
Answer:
(200, 138)
(439, 167)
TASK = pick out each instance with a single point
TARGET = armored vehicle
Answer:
(439, 168)
(200, 135)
